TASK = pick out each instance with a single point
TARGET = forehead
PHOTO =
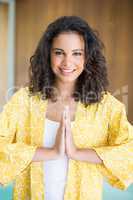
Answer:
(68, 39)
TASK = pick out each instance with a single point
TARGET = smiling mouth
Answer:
(67, 71)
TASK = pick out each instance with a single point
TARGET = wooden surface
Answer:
(113, 20)
(3, 53)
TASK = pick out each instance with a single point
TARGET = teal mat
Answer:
(109, 193)
(6, 192)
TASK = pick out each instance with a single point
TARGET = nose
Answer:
(67, 60)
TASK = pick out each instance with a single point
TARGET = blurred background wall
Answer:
(3, 51)
(112, 18)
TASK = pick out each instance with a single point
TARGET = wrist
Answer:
(57, 153)
(88, 155)
(73, 154)
(43, 154)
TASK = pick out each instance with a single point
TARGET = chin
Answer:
(68, 80)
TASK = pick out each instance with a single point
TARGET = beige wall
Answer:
(3, 52)
(113, 19)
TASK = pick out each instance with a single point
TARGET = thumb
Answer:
(63, 119)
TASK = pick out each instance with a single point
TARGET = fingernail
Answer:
(67, 108)
(64, 113)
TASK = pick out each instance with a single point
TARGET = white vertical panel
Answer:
(11, 47)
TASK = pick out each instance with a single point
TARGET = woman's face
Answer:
(67, 56)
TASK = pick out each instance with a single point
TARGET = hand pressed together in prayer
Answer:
(64, 140)
(69, 142)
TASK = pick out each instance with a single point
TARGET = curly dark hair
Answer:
(92, 82)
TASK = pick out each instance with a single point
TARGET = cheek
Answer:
(80, 64)
(55, 61)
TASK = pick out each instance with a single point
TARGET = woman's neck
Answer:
(64, 90)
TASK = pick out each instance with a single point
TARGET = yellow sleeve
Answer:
(14, 157)
(117, 157)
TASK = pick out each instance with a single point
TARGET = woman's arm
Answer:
(88, 155)
(42, 154)
(55, 152)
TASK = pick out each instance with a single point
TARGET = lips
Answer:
(67, 71)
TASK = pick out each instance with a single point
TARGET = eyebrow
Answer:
(63, 50)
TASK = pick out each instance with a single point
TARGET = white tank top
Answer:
(55, 170)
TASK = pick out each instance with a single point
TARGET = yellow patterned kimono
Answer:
(102, 126)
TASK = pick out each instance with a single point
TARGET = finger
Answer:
(62, 118)
(63, 122)
(63, 129)
(67, 111)
(63, 133)
(68, 119)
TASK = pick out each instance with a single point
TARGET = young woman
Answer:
(63, 132)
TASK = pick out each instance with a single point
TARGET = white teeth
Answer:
(66, 70)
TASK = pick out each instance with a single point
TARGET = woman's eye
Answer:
(77, 54)
(58, 53)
